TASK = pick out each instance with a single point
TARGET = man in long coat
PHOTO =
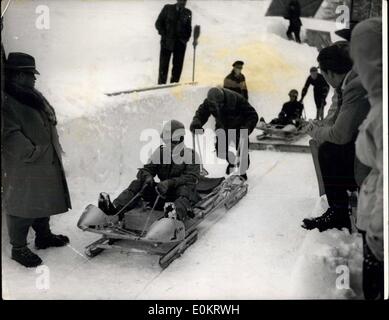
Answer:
(34, 183)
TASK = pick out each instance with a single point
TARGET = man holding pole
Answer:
(174, 24)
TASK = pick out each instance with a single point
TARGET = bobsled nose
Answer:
(165, 230)
(93, 217)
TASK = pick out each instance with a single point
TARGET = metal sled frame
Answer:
(226, 194)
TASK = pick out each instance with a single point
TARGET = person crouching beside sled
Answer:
(178, 170)
(34, 181)
(235, 120)
(290, 113)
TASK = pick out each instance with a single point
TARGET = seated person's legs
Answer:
(143, 181)
(337, 168)
(184, 197)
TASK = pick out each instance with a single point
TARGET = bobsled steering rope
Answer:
(149, 214)
(131, 201)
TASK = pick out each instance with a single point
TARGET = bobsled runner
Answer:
(152, 231)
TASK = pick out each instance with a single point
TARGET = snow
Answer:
(255, 250)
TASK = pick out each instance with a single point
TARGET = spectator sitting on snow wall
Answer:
(337, 142)
(366, 52)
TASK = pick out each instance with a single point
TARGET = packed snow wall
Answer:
(102, 149)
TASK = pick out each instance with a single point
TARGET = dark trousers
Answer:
(373, 274)
(224, 138)
(178, 61)
(337, 168)
(183, 196)
(319, 106)
(18, 229)
(295, 30)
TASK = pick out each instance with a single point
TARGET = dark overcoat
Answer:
(34, 183)
(174, 25)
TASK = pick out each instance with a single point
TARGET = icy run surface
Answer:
(255, 250)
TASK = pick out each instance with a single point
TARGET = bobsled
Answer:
(152, 231)
(288, 133)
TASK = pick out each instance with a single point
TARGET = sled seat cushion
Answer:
(206, 185)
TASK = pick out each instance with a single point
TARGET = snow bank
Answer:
(329, 263)
(102, 149)
(329, 266)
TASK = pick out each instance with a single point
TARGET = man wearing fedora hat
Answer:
(33, 176)
(236, 81)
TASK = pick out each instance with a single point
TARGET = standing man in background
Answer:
(320, 91)
(293, 15)
(236, 81)
(174, 24)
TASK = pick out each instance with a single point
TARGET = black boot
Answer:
(329, 220)
(230, 168)
(244, 176)
(26, 257)
(105, 204)
(53, 240)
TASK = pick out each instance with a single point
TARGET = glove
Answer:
(148, 181)
(195, 125)
(164, 186)
(105, 204)
(145, 178)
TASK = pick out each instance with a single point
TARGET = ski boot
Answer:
(230, 168)
(244, 176)
(105, 204)
(53, 240)
(329, 220)
(26, 257)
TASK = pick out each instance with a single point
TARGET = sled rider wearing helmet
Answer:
(178, 170)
